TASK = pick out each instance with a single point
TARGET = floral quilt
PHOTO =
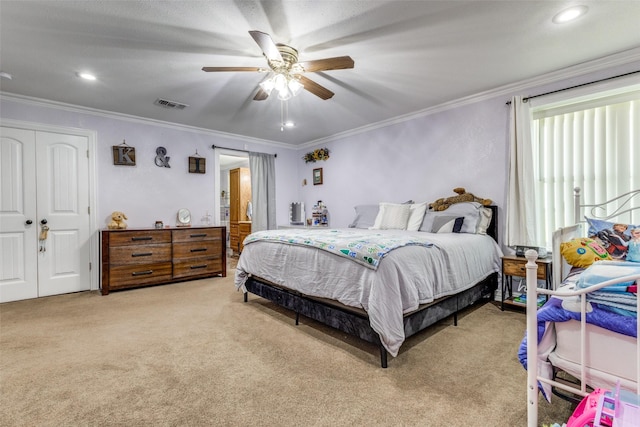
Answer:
(365, 248)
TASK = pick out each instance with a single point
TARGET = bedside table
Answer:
(515, 266)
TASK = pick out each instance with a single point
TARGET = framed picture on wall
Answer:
(317, 176)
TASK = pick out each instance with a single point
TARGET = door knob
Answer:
(29, 222)
(43, 221)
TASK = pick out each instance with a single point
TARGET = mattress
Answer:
(405, 278)
(602, 370)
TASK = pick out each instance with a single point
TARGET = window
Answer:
(592, 143)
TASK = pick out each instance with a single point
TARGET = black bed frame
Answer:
(356, 322)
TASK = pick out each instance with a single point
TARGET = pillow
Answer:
(471, 211)
(447, 224)
(582, 252)
(416, 215)
(392, 216)
(485, 220)
(614, 237)
(365, 216)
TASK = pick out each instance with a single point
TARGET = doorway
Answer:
(45, 212)
(228, 162)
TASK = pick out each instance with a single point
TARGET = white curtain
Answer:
(521, 214)
(263, 191)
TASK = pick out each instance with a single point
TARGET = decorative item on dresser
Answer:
(239, 202)
(141, 257)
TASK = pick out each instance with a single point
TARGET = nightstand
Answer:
(515, 266)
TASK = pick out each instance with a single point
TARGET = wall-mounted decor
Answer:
(197, 163)
(162, 160)
(315, 155)
(124, 155)
(317, 176)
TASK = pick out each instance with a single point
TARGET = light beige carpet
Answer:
(194, 354)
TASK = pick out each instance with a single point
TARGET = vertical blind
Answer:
(594, 145)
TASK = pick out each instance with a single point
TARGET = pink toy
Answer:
(605, 408)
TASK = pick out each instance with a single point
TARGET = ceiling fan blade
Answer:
(337, 63)
(208, 69)
(315, 88)
(267, 45)
(261, 95)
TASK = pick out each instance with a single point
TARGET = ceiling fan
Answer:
(285, 72)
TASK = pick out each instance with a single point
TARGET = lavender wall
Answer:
(146, 192)
(421, 159)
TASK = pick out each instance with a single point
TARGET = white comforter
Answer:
(406, 277)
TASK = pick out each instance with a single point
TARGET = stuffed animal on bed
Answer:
(463, 196)
(583, 251)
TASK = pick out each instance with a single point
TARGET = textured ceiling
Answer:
(409, 55)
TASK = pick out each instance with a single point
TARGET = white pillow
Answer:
(471, 211)
(416, 215)
(392, 216)
(485, 220)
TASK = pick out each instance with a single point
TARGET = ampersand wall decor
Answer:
(162, 160)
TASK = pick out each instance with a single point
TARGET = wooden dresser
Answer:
(141, 257)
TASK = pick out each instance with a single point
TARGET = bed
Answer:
(412, 286)
(569, 343)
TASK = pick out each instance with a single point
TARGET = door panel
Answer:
(64, 203)
(18, 240)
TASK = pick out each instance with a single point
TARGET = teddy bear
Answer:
(463, 196)
(117, 221)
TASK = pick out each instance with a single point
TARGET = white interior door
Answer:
(49, 178)
(18, 225)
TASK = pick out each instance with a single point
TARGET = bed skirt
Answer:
(354, 321)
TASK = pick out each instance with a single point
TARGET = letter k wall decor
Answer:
(124, 155)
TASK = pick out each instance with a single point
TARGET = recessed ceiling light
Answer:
(86, 76)
(570, 14)
(289, 124)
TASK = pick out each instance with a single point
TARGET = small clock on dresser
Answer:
(183, 218)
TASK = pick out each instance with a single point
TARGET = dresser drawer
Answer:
(139, 274)
(197, 250)
(140, 254)
(518, 268)
(195, 235)
(120, 238)
(197, 267)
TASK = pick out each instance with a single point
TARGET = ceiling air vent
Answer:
(170, 104)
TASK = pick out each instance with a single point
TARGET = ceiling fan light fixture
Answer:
(294, 86)
(268, 85)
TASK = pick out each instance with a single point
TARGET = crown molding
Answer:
(577, 70)
(39, 102)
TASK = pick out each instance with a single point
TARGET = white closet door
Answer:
(18, 238)
(45, 176)
(63, 201)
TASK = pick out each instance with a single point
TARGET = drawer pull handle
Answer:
(142, 254)
(142, 273)
(199, 235)
(194, 267)
(135, 239)
(199, 250)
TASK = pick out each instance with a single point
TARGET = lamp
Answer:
(286, 84)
